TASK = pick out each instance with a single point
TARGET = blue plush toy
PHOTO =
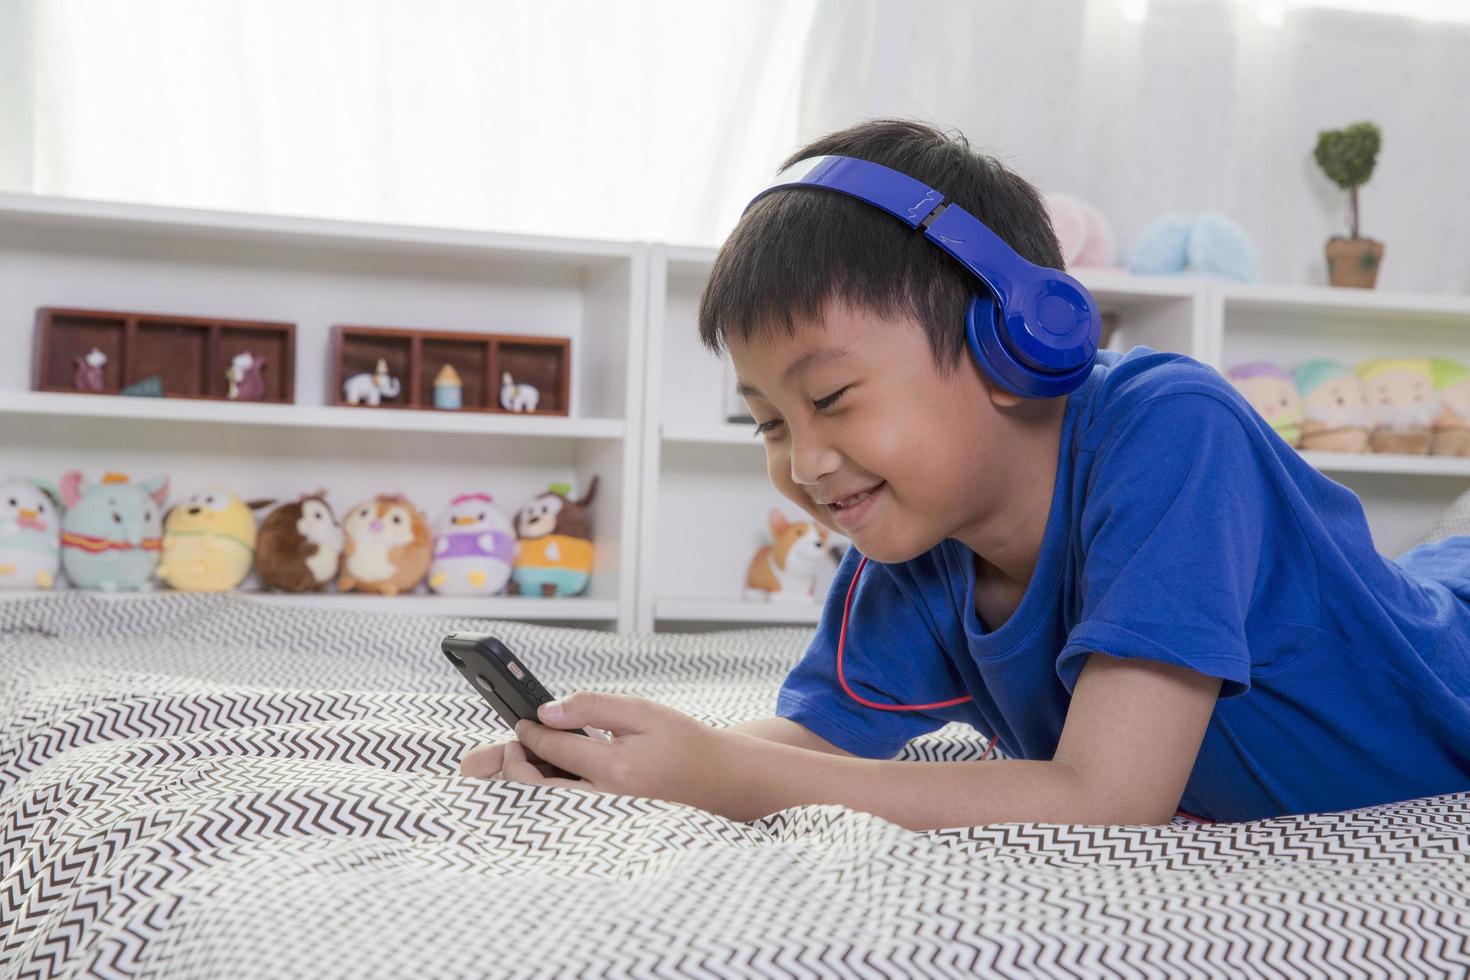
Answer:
(1206, 244)
(113, 531)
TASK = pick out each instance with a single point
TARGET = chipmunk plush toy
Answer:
(388, 546)
(554, 556)
(300, 546)
(787, 568)
(209, 542)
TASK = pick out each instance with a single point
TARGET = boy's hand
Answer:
(655, 751)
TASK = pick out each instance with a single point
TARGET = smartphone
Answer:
(510, 687)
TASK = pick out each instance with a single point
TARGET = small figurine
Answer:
(88, 375)
(474, 548)
(1335, 407)
(787, 568)
(388, 546)
(30, 535)
(1272, 393)
(554, 556)
(300, 545)
(1402, 404)
(246, 377)
(517, 397)
(1452, 428)
(149, 387)
(209, 542)
(371, 389)
(112, 534)
(448, 388)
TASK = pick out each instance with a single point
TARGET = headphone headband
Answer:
(1035, 330)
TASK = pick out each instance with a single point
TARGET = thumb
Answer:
(617, 713)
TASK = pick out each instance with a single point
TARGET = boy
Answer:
(1146, 596)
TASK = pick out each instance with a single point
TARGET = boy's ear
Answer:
(1001, 398)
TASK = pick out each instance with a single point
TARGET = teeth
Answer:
(854, 499)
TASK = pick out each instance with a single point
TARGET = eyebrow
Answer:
(804, 363)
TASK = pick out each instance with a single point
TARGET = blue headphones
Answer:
(1034, 331)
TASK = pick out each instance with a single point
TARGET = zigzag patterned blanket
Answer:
(205, 786)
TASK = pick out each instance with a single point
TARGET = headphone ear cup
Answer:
(986, 338)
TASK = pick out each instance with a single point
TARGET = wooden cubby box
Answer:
(415, 358)
(189, 355)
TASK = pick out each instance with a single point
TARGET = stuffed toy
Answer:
(1335, 407)
(300, 545)
(1272, 393)
(1452, 428)
(1402, 404)
(388, 546)
(209, 542)
(554, 554)
(787, 568)
(30, 535)
(1083, 233)
(112, 533)
(474, 548)
(1208, 244)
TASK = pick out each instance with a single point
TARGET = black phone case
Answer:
(501, 679)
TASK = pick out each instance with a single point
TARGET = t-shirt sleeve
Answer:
(1172, 529)
(891, 656)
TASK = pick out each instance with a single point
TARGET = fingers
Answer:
(620, 714)
(519, 768)
(483, 762)
(577, 754)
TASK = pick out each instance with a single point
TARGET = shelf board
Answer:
(737, 611)
(479, 607)
(185, 223)
(1260, 297)
(1395, 463)
(188, 410)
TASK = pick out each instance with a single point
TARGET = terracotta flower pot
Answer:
(1354, 261)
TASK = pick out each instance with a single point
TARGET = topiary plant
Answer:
(1347, 157)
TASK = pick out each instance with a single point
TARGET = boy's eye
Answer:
(761, 428)
(831, 399)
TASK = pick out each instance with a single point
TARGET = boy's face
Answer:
(864, 433)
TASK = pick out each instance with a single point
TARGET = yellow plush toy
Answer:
(209, 542)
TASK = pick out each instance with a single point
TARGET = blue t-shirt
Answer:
(1182, 529)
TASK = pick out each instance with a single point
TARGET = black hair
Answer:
(798, 249)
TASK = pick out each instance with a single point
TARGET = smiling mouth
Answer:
(844, 503)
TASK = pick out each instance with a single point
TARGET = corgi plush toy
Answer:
(388, 546)
(787, 568)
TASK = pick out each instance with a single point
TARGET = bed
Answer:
(209, 786)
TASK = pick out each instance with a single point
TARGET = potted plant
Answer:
(1347, 157)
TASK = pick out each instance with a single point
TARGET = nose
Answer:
(376, 526)
(811, 457)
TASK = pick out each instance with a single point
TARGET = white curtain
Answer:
(1185, 105)
(656, 119)
(631, 120)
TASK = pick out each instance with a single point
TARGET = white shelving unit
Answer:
(1290, 324)
(683, 495)
(317, 273)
